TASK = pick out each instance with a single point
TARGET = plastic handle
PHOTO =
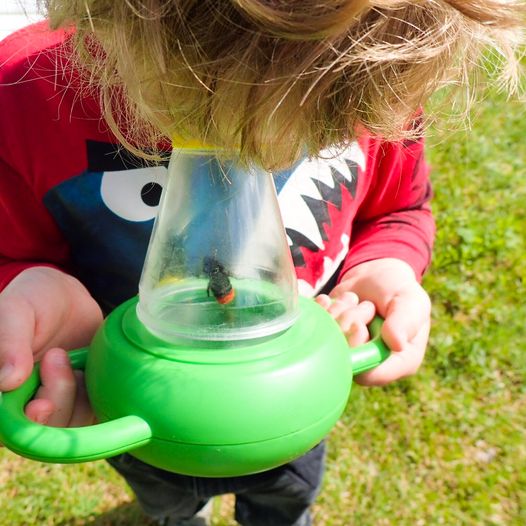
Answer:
(372, 353)
(65, 445)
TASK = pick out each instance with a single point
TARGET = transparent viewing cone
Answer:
(218, 265)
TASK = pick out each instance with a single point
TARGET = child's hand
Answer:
(391, 286)
(352, 315)
(42, 312)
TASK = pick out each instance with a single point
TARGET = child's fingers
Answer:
(82, 414)
(39, 410)
(323, 300)
(357, 334)
(363, 313)
(343, 302)
(58, 386)
(352, 315)
(17, 325)
(354, 321)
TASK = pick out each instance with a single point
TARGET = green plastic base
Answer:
(206, 410)
(217, 411)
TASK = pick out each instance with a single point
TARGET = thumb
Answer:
(407, 311)
(17, 326)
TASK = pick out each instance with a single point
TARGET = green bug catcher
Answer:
(217, 368)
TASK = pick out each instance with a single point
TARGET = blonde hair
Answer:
(279, 78)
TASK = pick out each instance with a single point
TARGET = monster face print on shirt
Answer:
(317, 205)
(106, 215)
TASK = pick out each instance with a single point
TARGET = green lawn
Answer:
(446, 447)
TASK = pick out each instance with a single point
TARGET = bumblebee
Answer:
(219, 283)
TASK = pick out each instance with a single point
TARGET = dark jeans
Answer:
(279, 497)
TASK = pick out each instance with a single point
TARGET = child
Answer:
(283, 83)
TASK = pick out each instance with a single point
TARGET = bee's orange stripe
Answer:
(227, 298)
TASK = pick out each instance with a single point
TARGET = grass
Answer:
(445, 447)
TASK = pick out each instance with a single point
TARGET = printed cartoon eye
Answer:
(133, 194)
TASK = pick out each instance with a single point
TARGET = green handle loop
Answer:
(65, 445)
(372, 353)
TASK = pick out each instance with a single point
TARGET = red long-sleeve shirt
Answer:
(68, 199)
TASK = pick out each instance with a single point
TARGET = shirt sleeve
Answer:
(394, 219)
(29, 236)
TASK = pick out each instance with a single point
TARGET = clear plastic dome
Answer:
(218, 266)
